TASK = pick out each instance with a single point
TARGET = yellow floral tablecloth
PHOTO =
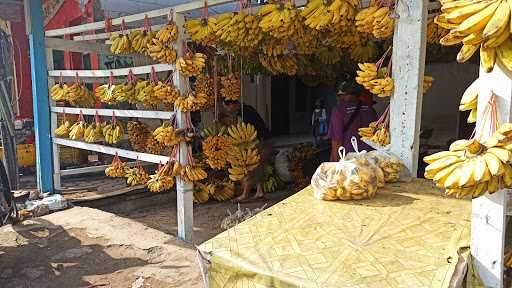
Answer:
(408, 236)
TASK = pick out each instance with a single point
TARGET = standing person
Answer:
(319, 121)
(257, 176)
(353, 111)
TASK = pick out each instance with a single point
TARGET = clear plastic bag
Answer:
(394, 170)
(361, 159)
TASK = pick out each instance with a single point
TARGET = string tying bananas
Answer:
(230, 87)
(322, 14)
(63, 130)
(120, 43)
(469, 101)
(478, 25)
(202, 30)
(117, 169)
(138, 134)
(193, 173)
(136, 176)
(166, 135)
(113, 132)
(163, 179)
(473, 168)
(192, 102)
(277, 19)
(191, 64)
(376, 21)
(94, 132)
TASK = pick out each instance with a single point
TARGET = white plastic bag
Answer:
(394, 170)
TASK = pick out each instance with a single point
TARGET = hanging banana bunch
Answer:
(322, 15)
(63, 130)
(242, 134)
(168, 34)
(161, 47)
(278, 19)
(113, 131)
(94, 132)
(77, 130)
(136, 176)
(230, 87)
(163, 179)
(363, 50)
(154, 147)
(58, 92)
(166, 93)
(240, 30)
(243, 156)
(435, 32)
(329, 56)
(202, 30)
(120, 41)
(191, 64)
(193, 173)
(306, 39)
(284, 64)
(78, 95)
(141, 39)
(224, 191)
(215, 148)
(138, 134)
(166, 134)
(377, 20)
(204, 85)
(105, 92)
(469, 101)
(271, 46)
(117, 169)
(479, 25)
(193, 101)
(378, 131)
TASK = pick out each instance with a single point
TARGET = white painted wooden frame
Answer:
(119, 113)
(114, 72)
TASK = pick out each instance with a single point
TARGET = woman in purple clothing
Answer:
(353, 111)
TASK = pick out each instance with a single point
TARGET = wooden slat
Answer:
(135, 17)
(92, 169)
(102, 36)
(151, 158)
(75, 46)
(115, 72)
(119, 113)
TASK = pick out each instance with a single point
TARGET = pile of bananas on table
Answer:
(478, 25)
(117, 169)
(113, 132)
(389, 164)
(191, 64)
(376, 20)
(136, 176)
(473, 167)
(215, 147)
(469, 101)
(138, 134)
(75, 94)
(166, 134)
(163, 179)
(193, 101)
(202, 30)
(230, 87)
(243, 156)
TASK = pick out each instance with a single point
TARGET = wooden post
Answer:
(40, 97)
(184, 190)
(408, 68)
(488, 221)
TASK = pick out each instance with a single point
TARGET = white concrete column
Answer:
(409, 47)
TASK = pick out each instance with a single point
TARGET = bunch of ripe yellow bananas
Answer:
(284, 64)
(224, 191)
(242, 134)
(306, 39)
(145, 93)
(105, 93)
(202, 192)
(230, 87)
(435, 32)
(191, 102)
(77, 131)
(508, 259)
(348, 37)
(168, 34)
(117, 169)
(382, 87)
(136, 176)
(377, 21)
(154, 147)
(140, 40)
(138, 134)
(473, 168)
(163, 179)
(329, 56)
(363, 50)
(191, 64)
(204, 85)
(389, 165)
(483, 24)
(162, 52)
(166, 134)
(113, 132)
(193, 173)
(94, 132)
(469, 101)
(241, 29)
(277, 19)
(64, 129)
(166, 92)
(273, 46)
(120, 43)
(243, 156)
(202, 30)
(377, 133)
(215, 150)
(75, 94)
(322, 14)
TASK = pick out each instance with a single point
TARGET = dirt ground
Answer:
(86, 247)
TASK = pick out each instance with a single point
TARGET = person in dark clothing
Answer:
(257, 176)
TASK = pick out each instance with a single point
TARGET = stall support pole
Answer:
(184, 190)
(408, 68)
(488, 221)
(40, 97)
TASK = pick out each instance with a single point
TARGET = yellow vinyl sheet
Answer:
(408, 236)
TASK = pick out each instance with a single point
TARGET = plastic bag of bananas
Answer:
(393, 169)
(344, 180)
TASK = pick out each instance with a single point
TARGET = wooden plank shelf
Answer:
(151, 158)
(114, 72)
(119, 113)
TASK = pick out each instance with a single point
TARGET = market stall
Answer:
(203, 45)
